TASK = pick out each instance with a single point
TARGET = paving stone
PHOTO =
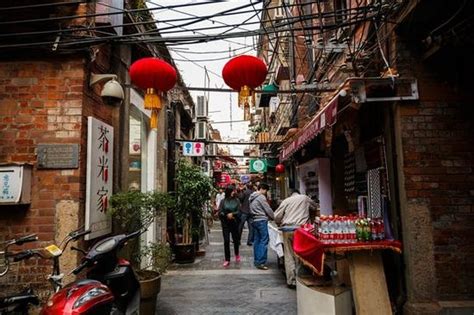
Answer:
(205, 287)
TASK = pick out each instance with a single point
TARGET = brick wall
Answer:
(41, 102)
(437, 136)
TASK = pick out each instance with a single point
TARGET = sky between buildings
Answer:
(222, 106)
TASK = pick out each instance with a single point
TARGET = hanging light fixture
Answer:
(154, 76)
(244, 74)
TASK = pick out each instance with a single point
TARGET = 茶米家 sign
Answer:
(100, 144)
(194, 148)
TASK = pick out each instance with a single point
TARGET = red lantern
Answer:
(280, 168)
(153, 75)
(244, 74)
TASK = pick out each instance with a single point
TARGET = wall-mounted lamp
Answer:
(112, 92)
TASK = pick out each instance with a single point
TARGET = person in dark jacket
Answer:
(229, 215)
(261, 212)
(245, 213)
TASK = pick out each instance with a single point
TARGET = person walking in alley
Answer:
(229, 215)
(293, 212)
(245, 213)
(260, 211)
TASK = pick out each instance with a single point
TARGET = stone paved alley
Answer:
(205, 287)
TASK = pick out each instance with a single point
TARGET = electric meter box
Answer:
(15, 184)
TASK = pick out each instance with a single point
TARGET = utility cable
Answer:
(69, 17)
(88, 28)
(41, 5)
(159, 39)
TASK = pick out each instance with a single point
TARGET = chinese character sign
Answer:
(10, 184)
(100, 145)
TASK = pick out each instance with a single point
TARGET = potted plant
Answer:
(154, 260)
(132, 211)
(193, 190)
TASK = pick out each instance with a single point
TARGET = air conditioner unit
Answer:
(211, 149)
(200, 131)
(201, 108)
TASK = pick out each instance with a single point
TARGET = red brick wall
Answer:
(438, 157)
(41, 102)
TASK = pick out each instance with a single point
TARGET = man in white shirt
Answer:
(293, 212)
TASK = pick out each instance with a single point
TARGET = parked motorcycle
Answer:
(111, 286)
(20, 302)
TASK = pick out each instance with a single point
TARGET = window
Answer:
(339, 8)
(137, 158)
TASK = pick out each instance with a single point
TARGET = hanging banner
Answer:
(100, 144)
(258, 166)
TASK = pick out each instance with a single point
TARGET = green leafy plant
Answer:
(193, 190)
(134, 210)
(154, 257)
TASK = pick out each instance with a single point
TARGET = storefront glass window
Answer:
(137, 151)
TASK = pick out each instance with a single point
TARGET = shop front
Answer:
(355, 241)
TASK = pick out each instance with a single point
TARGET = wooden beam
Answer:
(369, 287)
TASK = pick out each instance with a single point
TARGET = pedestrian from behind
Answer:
(245, 213)
(292, 213)
(229, 215)
(261, 212)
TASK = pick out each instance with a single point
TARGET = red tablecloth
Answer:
(310, 250)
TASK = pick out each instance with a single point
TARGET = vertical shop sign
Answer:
(100, 144)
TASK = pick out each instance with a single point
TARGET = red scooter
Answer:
(111, 286)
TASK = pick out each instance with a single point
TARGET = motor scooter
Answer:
(110, 287)
(20, 302)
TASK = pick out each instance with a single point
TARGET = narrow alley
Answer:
(205, 287)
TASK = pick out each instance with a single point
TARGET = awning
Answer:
(362, 90)
(325, 117)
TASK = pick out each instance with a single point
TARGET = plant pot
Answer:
(185, 253)
(150, 287)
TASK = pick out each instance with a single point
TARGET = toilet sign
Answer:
(194, 148)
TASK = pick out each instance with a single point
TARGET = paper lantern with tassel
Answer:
(244, 73)
(154, 76)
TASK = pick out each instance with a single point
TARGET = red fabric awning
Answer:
(325, 117)
(311, 251)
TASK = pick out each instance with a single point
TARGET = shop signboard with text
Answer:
(100, 144)
(258, 166)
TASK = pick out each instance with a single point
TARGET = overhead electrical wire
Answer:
(41, 5)
(169, 40)
(16, 34)
(183, 39)
(71, 17)
(212, 59)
